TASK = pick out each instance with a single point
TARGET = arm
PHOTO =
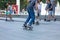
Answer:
(36, 6)
(50, 7)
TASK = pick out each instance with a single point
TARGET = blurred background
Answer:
(20, 6)
(23, 4)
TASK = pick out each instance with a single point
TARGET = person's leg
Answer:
(28, 17)
(34, 22)
(39, 13)
(38, 18)
(29, 26)
(32, 14)
(49, 15)
(10, 16)
(53, 14)
(6, 15)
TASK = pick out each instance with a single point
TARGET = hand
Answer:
(47, 10)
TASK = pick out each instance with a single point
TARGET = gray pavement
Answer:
(13, 30)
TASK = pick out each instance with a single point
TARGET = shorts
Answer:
(7, 13)
(50, 13)
(10, 11)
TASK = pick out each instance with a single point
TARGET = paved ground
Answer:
(14, 31)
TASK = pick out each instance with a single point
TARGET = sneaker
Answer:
(33, 22)
(37, 23)
(24, 25)
(54, 19)
(44, 19)
(48, 20)
(6, 19)
(11, 20)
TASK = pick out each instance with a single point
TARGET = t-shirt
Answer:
(10, 8)
(49, 6)
(31, 4)
(39, 6)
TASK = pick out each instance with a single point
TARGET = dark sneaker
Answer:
(33, 22)
(24, 25)
(54, 19)
(11, 20)
(6, 19)
(48, 20)
(44, 19)
(37, 23)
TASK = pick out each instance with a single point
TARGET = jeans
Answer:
(31, 16)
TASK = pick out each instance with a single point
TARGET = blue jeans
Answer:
(31, 17)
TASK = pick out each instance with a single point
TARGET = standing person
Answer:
(9, 11)
(31, 14)
(6, 11)
(38, 7)
(49, 8)
(53, 2)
